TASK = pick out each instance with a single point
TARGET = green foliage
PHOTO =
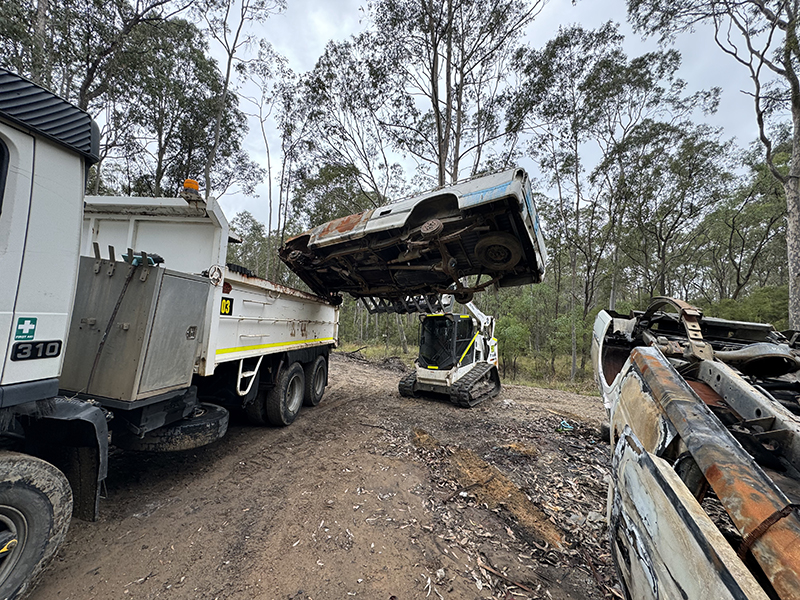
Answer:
(762, 305)
(332, 192)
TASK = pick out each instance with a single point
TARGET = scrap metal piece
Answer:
(487, 227)
(691, 392)
(747, 493)
(663, 544)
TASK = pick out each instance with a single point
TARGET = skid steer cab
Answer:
(457, 357)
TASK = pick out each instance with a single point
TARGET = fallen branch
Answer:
(468, 487)
(375, 426)
(595, 574)
(504, 578)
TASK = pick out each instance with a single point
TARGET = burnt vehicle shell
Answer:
(705, 437)
(401, 256)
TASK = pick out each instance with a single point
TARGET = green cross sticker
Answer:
(26, 328)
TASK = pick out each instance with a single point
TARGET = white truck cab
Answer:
(46, 148)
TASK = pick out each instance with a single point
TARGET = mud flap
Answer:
(664, 544)
(73, 436)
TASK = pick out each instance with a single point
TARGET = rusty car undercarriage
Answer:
(401, 257)
(705, 437)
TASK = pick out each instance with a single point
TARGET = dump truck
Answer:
(704, 420)
(121, 323)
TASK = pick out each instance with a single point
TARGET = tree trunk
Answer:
(39, 70)
(793, 241)
(401, 330)
(612, 300)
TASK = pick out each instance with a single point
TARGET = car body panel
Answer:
(690, 417)
(427, 245)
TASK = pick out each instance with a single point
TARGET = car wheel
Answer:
(316, 373)
(35, 509)
(498, 251)
(283, 402)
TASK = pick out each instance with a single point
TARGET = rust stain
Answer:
(747, 493)
(707, 394)
(343, 225)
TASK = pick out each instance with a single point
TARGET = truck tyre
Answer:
(208, 425)
(316, 373)
(283, 402)
(35, 509)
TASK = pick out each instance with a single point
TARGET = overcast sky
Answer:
(303, 30)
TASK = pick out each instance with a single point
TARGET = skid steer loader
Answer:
(457, 357)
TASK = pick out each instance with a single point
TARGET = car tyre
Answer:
(498, 251)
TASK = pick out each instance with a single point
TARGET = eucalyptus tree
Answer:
(678, 173)
(443, 63)
(744, 243)
(551, 104)
(71, 47)
(762, 37)
(228, 23)
(347, 97)
(582, 101)
(161, 125)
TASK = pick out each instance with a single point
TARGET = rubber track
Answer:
(469, 391)
(406, 385)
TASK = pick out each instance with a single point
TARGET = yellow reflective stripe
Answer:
(273, 345)
(472, 341)
(429, 367)
(465, 316)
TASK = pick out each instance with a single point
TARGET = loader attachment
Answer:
(399, 257)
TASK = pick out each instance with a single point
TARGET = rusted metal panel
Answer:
(748, 495)
(663, 542)
(346, 228)
(694, 394)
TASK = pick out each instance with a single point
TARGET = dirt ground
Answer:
(368, 495)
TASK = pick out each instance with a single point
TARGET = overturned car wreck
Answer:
(401, 257)
(705, 435)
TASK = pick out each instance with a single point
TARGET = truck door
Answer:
(16, 178)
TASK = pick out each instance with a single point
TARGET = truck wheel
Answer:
(208, 424)
(35, 509)
(316, 373)
(283, 402)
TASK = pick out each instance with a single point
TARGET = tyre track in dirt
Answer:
(343, 504)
